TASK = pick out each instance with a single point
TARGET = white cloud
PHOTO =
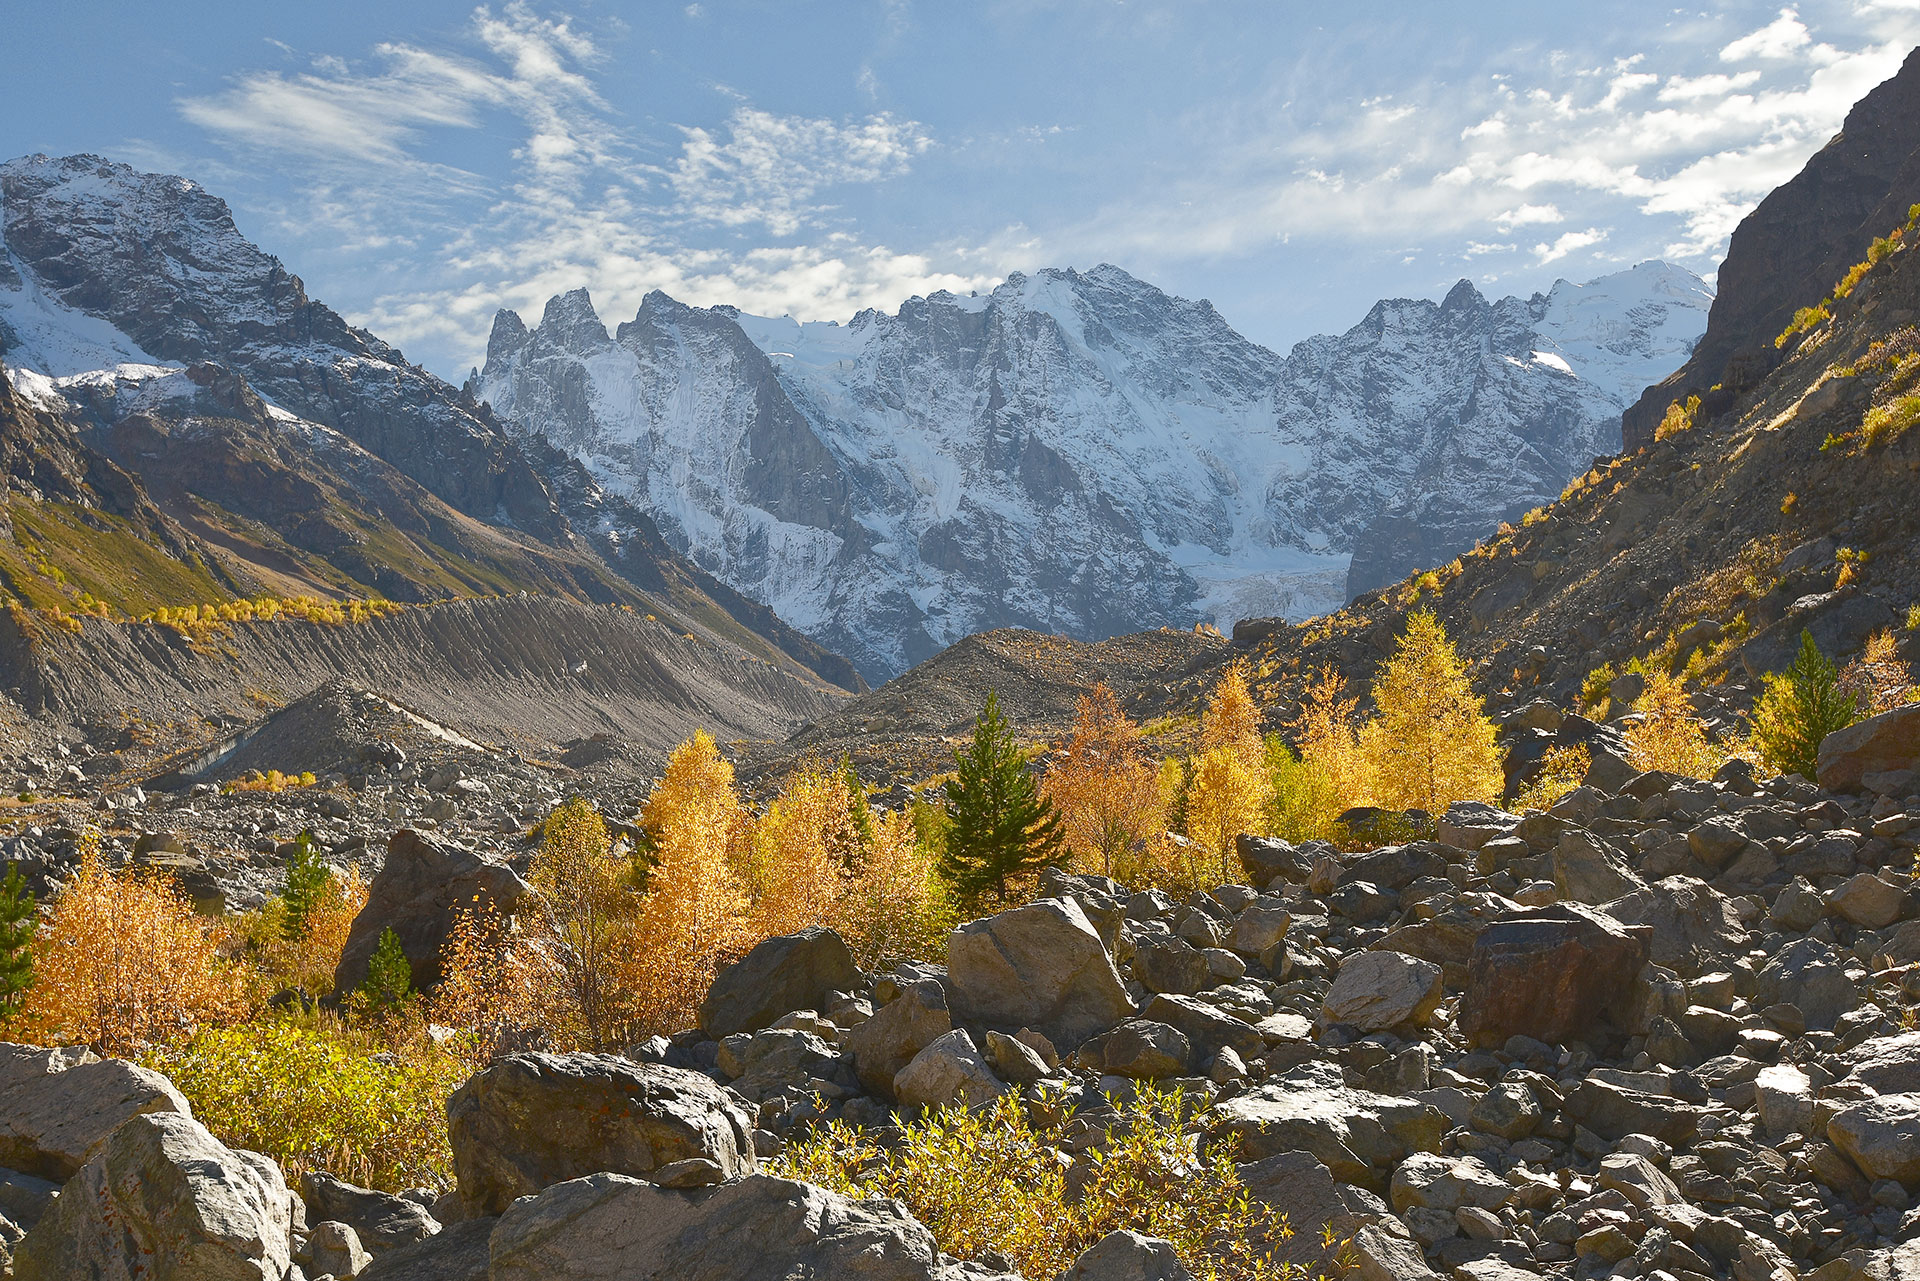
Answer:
(1781, 38)
(1571, 242)
(1527, 215)
(769, 167)
(583, 207)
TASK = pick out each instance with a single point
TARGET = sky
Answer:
(423, 164)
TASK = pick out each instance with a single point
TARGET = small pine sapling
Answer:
(389, 973)
(19, 922)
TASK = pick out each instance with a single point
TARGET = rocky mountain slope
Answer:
(1774, 512)
(302, 453)
(1788, 252)
(1079, 452)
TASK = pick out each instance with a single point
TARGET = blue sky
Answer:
(422, 164)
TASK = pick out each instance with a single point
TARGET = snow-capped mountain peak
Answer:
(1079, 451)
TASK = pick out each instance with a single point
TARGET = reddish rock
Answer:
(1554, 973)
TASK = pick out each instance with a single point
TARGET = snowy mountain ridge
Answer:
(1080, 452)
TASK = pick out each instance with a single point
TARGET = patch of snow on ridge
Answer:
(52, 338)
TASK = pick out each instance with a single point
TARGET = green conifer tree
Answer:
(389, 973)
(307, 879)
(857, 802)
(1800, 707)
(999, 824)
(19, 921)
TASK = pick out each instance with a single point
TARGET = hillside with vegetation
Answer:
(1548, 913)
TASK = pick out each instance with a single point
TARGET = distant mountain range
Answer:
(1079, 452)
(205, 429)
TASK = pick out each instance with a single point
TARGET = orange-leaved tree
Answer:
(123, 962)
(801, 849)
(1431, 743)
(1105, 788)
(694, 915)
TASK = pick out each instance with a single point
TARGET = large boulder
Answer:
(1041, 966)
(607, 1227)
(1889, 1064)
(792, 972)
(1586, 871)
(1881, 1136)
(1267, 859)
(901, 1028)
(1808, 974)
(529, 1121)
(458, 1254)
(163, 1200)
(1877, 745)
(1317, 1208)
(1379, 990)
(58, 1105)
(1356, 1134)
(1555, 974)
(1694, 927)
(417, 893)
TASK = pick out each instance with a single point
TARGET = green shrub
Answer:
(1799, 708)
(1593, 689)
(312, 1098)
(389, 973)
(995, 1179)
(19, 922)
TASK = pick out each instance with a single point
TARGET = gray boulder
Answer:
(899, 1030)
(1041, 966)
(58, 1105)
(1586, 871)
(1171, 965)
(333, 1249)
(532, 1120)
(1379, 990)
(381, 1221)
(163, 1200)
(1877, 745)
(1128, 1256)
(1888, 1064)
(1356, 1134)
(1694, 926)
(1145, 1050)
(417, 893)
(1808, 974)
(951, 1070)
(792, 972)
(607, 1227)
(1882, 1137)
(458, 1254)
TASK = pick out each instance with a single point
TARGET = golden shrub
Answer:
(1232, 718)
(123, 962)
(584, 908)
(1669, 736)
(1224, 799)
(996, 1179)
(799, 851)
(893, 906)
